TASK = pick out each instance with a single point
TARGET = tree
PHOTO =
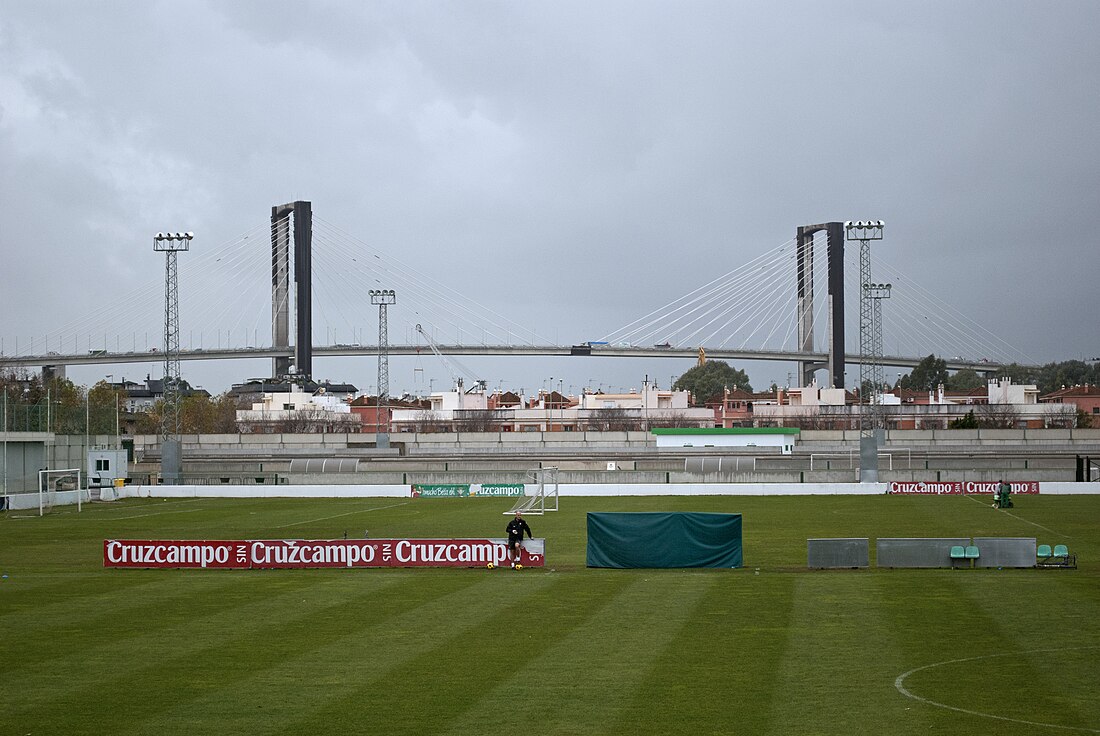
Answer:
(866, 388)
(928, 374)
(612, 419)
(148, 421)
(1054, 376)
(709, 380)
(1018, 374)
(477, 420)
(672, 419)
(103, 407)
(429, 421)
(965, 379)
(967, 422)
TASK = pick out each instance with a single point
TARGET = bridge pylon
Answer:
(302, 213)
(835, 295)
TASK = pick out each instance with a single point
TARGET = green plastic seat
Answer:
(1060, 557)
(971, 552)
(958, 552)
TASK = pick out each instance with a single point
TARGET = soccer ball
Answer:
(490, 566)
(519, 566)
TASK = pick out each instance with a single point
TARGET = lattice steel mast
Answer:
(170, 244)
(383, 298)
(871, 420)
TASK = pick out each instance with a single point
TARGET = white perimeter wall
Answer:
(24, 501)
(573, 489)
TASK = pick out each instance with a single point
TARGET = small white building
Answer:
(298, 411)
(553, 412)
(105, 466)
(445, 403)
(814, 395)
(1003, 391)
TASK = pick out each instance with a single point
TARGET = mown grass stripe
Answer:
(385, 670)
(586, 673)
(315, 651)
(150, 662)
(714, 676)
(1022, 655)
(842, 644)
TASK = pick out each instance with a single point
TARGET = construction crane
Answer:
(455, 368)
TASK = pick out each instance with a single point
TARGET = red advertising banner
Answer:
(958, 486)
(313, 553)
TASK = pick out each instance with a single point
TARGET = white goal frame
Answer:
(47, 496)
(545, 497)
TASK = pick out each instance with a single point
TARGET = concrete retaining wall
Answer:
(810, 439)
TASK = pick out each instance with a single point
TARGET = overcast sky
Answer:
(590, 161)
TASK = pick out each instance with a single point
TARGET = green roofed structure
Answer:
(781, 437)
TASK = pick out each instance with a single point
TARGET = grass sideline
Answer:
(772, 648)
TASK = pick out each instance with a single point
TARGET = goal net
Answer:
(544, 494)
(59, 487)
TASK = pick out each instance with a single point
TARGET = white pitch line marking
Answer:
(1014, 516)
(337, 516)
(142, 516)
(899, 683)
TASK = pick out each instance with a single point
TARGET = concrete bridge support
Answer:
(835, 295)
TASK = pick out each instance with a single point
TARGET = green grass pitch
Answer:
(773, 648)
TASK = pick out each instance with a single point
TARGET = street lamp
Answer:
(549, 389)
(561, 402)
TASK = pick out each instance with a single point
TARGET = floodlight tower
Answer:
(875, 293)
(870, 356)
(383, 298)
(170, 462)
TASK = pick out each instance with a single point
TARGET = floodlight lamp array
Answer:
(863, 229)
(877, 291)
(382, 296)
(172, 241)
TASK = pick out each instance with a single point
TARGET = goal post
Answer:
(544, 496)
(59, 486)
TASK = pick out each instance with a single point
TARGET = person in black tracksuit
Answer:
(516, 528)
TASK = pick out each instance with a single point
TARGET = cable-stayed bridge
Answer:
(303, 276)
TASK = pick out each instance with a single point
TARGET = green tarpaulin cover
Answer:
(661, 539)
